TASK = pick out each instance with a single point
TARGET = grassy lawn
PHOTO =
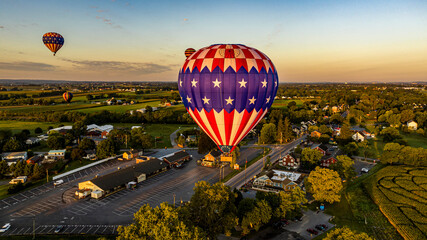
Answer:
(18, 126)
(415, 140)
(283, 103)
(120, 108)
(76, 164)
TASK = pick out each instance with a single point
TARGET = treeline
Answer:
(396, 153)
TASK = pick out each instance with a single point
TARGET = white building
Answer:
(358, 137)
(412, 125)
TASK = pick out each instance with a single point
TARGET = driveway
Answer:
(358, 165)
(309, 220)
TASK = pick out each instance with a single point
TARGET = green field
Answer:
(18, 126)
(401, 194)
(415, 140)
(283, 103)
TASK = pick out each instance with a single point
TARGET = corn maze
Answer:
(401, 194)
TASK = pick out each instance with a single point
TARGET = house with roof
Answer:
(358, 137)
(290, 161)
(412, 125)
(327, 161)
(35, 159)
(211, 158)
(277, 180)
(14, 157)
(321, 148)
(122, 178)
(62, 130)
(32, 141)
(177, 159)
(54, 155)
(132, 154)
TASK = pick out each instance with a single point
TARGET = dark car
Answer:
(324, 226)
(319, 227)
(278, 225)
(58, 228)
(284, 221)
(312, 231)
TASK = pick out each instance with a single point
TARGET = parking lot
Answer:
(67, 229)
(310, 220)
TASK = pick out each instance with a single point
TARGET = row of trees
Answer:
(396, 153)
(21, 168)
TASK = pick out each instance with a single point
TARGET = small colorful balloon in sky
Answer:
(53, 41)
(189, 51)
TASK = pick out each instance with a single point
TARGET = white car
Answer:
(5, 227)
(364, 170)
(59, 182)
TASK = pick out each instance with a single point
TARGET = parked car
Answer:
(59, 182)
(364, 170)
(319, 227)
(59, 228)
(324, 226)
(284, 221)
(310, 230)
(278, 224)
(5, 227)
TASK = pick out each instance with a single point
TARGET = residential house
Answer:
(191, 138)
(62, 130)
(130, 155)
(358, 137)
(321, 148)
(211, 158)
(32, 141)
(90, 155)
(14, 157)
(336, 131)
(412, 125)
(54, 155)
(326, 162)
(290, 161)
(278, 180)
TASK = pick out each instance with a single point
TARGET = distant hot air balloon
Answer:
(227, 89)
(189, 51)
(53, 41)
(67, 96)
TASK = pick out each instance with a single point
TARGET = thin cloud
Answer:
(108, 22)
(101, 11)
(117, 66)
(26, 66)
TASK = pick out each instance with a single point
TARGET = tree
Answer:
(212, 208)
(38, 171)
(345, 167)
(79, 129)
(310, 155)
(4, 168)
(268, 133)
(324, 184)
(345, 134)
(406, 115)
(56, 141)
(390, 134)
(12, 145)
(28, 170)
(19, 169)
(139, 139)
(180, 140)
(258, 216)
(363, 147)
(288, 134)
(205, 144)
(245, 206)
(345, 233)
(291, 203)
(391, 153)
(158, 223)
(351, 148)
(87, 144)
(77, 154)
(106, 148)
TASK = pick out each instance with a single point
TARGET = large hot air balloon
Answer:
(53, 41)
(227, 89)
(67, 96)
(189, 51)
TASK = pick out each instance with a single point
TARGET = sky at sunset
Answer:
(124, 40)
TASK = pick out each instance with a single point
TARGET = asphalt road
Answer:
(277, 151)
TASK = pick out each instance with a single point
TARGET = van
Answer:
(59, 182)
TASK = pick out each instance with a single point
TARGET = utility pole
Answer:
(34, 227)
(245, 168)
(47, 175)
(174, 200)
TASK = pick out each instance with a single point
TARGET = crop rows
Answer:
(401, 194)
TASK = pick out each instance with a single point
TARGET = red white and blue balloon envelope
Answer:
(53, 41)
(227, 89)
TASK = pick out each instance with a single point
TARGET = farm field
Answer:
(283, 103)
(18, 126)
(401, 194)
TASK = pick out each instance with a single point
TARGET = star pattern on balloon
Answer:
(229, 100)
(243, 83)
(216, 83)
